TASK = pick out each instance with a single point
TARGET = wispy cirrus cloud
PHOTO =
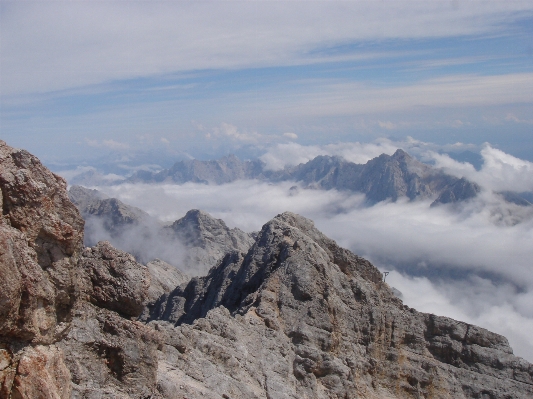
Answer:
(52, 46)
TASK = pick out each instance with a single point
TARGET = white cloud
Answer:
(115, 145)
(50, 46)
(107, 143)
(228, 130)
(290, 135)
(289, 154)
(500, 171)
(386, 125)
(513, 118)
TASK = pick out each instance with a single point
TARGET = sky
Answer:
(82, 82)
(145, 83)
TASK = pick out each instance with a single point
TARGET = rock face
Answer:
(64, 311)
(41, 236)
(293, 316)
(208, 239)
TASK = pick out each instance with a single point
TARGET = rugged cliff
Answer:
(294, 316)
(66, 327)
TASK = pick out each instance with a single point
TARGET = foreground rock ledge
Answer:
(295, 316)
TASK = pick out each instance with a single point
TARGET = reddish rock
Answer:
(42, 374)
(41, 234)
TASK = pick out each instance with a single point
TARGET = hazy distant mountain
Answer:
(115, 214)
(387, 177)
(223, 170)
(522, 199)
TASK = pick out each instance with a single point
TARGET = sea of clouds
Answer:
(470, 261)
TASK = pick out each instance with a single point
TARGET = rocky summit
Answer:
(291, 316)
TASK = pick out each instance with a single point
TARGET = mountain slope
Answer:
(298, 316)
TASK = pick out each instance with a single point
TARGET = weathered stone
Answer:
(42, 373)
(49, 330)
(208, 239)
(109, 356)
(118, 282)
(331, 329)
(41, 235)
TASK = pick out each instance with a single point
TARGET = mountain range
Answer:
(294, 315)
(387, 177)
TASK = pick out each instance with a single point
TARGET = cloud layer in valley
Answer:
(470, 261)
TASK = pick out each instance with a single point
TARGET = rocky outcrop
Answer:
(208, 239)
(41, 235)
(293, 316)
(65, 327)
(298, 316)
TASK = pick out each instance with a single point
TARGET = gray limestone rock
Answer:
(117, 281)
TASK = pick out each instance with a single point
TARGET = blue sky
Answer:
(85, 80)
